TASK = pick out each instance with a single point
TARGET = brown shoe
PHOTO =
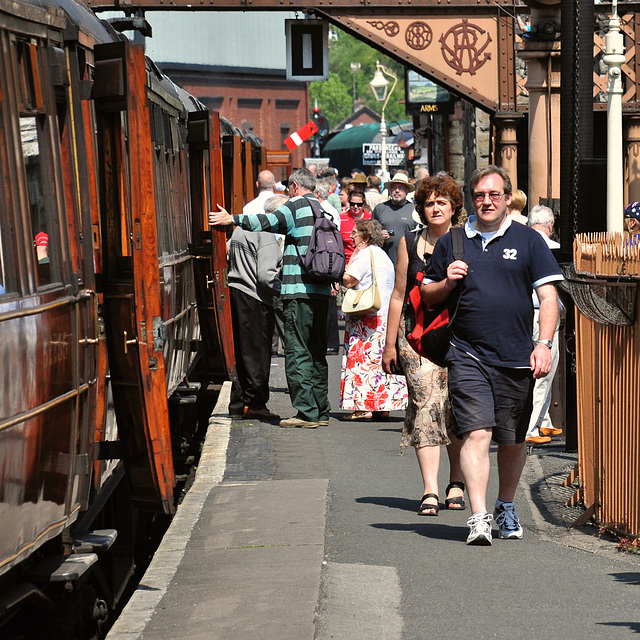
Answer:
(261, 414)
(538, 440)
(298, 423)
(550, 432)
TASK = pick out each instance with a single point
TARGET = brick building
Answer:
(235, 63)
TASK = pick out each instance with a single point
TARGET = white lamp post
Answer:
(355, 67)
(380, 85)
(614, 58)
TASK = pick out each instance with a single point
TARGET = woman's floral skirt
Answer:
(428, 420)
(364, 385)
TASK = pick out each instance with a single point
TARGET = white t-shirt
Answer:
(256, 205)
(552, 244)
(331, 210)
(360, 268)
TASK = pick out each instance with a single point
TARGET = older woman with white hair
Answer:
(365, 388)
(541, 429)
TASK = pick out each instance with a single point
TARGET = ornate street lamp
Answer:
(380, 87)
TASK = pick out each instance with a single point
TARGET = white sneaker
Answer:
(480, 529)
(507, 521)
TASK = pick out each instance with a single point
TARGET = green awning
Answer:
(352, 138)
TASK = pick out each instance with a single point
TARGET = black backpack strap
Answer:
(316, 214)
(412, 238)
(457, 240)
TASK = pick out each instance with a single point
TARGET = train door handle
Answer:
(209, 282)
(127, 342)
(89, 340)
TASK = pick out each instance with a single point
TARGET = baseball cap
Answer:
(632, 211)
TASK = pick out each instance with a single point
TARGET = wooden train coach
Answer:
(113, 302)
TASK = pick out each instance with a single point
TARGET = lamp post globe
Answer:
(380, 88)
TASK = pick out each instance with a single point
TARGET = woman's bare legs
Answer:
(455, 471)
(429, 462)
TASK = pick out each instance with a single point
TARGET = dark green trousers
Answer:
(305, 353)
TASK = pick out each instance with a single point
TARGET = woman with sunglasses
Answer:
(428, 420)
(357, 210)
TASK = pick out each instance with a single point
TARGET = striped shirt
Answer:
(294, 220)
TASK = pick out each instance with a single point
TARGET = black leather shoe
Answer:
(261, 414)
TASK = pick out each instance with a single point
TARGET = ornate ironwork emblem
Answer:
(418, 35)
(463, 47)
(391, 28)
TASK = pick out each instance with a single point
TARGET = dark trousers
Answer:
(305, 352)
(333, 332)
(252, 331)
(278, 328)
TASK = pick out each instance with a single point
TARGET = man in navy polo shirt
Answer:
(492, 360)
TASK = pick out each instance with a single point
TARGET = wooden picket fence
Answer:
(604, 288)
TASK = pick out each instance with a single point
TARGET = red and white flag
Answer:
(302, 134)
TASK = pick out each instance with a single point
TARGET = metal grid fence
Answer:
(604, 286)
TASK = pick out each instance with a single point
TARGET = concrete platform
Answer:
(297, 534)
(255, 549)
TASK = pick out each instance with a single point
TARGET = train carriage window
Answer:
(29, 86)
(37, 140)
(181, 177)
(39, 195)
(162, 181)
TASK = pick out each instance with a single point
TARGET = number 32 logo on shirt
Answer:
(510, 254)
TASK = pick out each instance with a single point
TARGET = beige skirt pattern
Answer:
(428, 417)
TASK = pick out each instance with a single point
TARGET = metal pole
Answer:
(614, 58)
(383, 125)
(355, 67)
(383, 148)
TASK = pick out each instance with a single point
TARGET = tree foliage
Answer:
(335, 96)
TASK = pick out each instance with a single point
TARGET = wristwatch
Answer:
(546, 343)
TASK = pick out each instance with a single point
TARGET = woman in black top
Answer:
(428, 419)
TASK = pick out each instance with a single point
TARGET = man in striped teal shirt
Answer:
(305, 301)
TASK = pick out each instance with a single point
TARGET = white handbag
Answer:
(363, 302)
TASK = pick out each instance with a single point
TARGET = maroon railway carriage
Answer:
(112, 289)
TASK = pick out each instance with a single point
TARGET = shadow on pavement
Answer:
(632, 626)
(433, 529)
(631, 577)
(392, 502)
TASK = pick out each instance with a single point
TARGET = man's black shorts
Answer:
(486, 397)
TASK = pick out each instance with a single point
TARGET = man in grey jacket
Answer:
(254, 264)
(305, 301)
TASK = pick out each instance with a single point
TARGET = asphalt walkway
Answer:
(312, 534)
